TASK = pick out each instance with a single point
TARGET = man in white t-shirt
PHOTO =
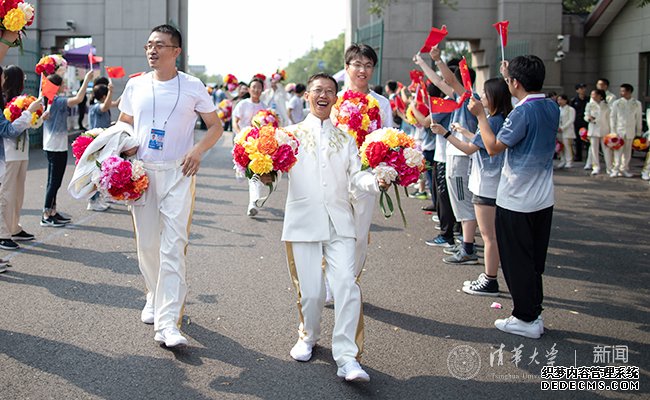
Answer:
(296, 106)
(164, 103)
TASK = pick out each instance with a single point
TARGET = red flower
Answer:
(254, 133)
(240, 156)
(396, 160)
(7, 5)
(283, 159)
(408, 175)
(376, 153)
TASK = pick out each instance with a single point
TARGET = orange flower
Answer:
(405, 140)
(141, 184)
(267, 142)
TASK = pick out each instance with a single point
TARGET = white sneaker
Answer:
(96, 206)
(595, 172)
(645, 175)
(560, 165)
(352, 372)
(301, 351)
(435, 218)
(613, 174)
(540, 319)
(587, 166)
(146, 315)
(171, 337)
(518, 327)
(627, 174)
(568, 165)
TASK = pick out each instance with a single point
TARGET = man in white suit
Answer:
(319, 223)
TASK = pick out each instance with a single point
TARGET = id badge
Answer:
(156, 139)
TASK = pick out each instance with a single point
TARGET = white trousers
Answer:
(305, 267)
(254, 191)
(162, 227)
(623, 155)
(646, 165)
(567, 153)
(12, 193)
(597, 142)
(363, 204)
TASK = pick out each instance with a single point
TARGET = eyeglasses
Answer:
(156, 46)
(359, 66)
(319, 91)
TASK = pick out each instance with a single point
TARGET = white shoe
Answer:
(352, 372)
(97, 206)
(627, 174)
(540, 319)
(613, 174)
(301, 351)
(587, 166)
(595, 172)
(435, 218)
(560, 165)
(645, 175)
(171, 337)
(252, 210)
(146, 315)
(568, 165)
(518, 327)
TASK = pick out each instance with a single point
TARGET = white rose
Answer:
(413, 157)
(383, 171)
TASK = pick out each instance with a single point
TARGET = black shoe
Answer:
(8, 244)
(50, 221)
(61, 218)
(22, 236)
(430, 207)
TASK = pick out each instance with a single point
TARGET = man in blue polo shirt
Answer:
(525, 195)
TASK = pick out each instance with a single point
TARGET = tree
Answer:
(376, 7)
(578, 6)
(329, 60)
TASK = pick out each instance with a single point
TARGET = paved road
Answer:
(70, 325)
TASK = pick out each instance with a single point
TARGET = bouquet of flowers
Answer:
(358, 114)
(48, 65)
(559, 146)
(260, 76)
(640, 144)
(17, 105)
(231, 82)
(15, 15)
(584, 134)
(279, 75)
(264, 150)
(264, 118)
(82, 141)
(122, 179)
(224, 110)
(393, 156)
(613, 141)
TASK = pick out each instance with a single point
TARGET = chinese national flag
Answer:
(421, 103)
(439, 105)
(464, 74)
(136, 74)
(115, 72)
(417, 77)
(92, 59)
(435, 36)
(502, 29)
(48, 89)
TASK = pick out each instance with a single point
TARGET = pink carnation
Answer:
(284, 158)
(79, 146)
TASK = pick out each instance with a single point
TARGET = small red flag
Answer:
(464, 74)
(417, 77)
(439, 105)
(48, 89)
(92, 59)
(421, 103)
(115, 72)
(399, 104)
(136, 74)
(435, 36)
(502, 29)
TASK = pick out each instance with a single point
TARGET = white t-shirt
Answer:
(17, 149)
(178, 139)
(296, 109)
(245, 110)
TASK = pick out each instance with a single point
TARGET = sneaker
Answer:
(252, 210)
(61, 218)
(540, 319)
(613, 174)
(8, 244)
(50, 221)
(419, 195)
(461, 258)
(435, 219)
(645, 175)
(97, 206)
(487, 287)
(595, 172)
(482, 277)
(146, 315)
(587, 166)
(439, 241)
(627, 174)
(352, 372)
(301, 351)
(568, 165)
(451, 250)
(560, 165)
(429, 208)
(518, 327)
(22, 236)
(171, 337)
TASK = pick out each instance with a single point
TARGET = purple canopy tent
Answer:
(79, 57)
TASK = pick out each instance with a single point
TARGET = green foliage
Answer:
(578, 6)
(643, 3)
(331, 56)
(377, 7)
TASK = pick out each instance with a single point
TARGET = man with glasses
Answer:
(328, 165)
(162, 106)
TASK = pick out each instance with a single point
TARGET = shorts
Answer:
(484, 201)
(457, 182)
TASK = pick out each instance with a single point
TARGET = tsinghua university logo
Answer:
(464, 362)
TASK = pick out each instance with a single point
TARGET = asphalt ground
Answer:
(70, 327)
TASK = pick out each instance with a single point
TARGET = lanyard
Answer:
(178, 95)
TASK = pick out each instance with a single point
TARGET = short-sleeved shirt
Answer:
(467, 120)
(440, 155)
(97, 118)
(55, 128)
(245, 110)
(428, 139)
(485, 170)
(526, 183)
(296, 109)
(138, 101)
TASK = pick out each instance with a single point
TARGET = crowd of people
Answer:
(491, 167)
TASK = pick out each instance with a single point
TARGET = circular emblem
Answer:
(464, 362)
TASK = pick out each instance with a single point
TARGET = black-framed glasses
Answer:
(156, 46)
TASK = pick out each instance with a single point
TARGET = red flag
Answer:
(464, 74)
(399, 104)
(115, 72)
(421, 103)
(92, 59)
(435, 36)
(416, 79)
(502, 29)
(439, 105)
(48, 89)
(136, 74)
